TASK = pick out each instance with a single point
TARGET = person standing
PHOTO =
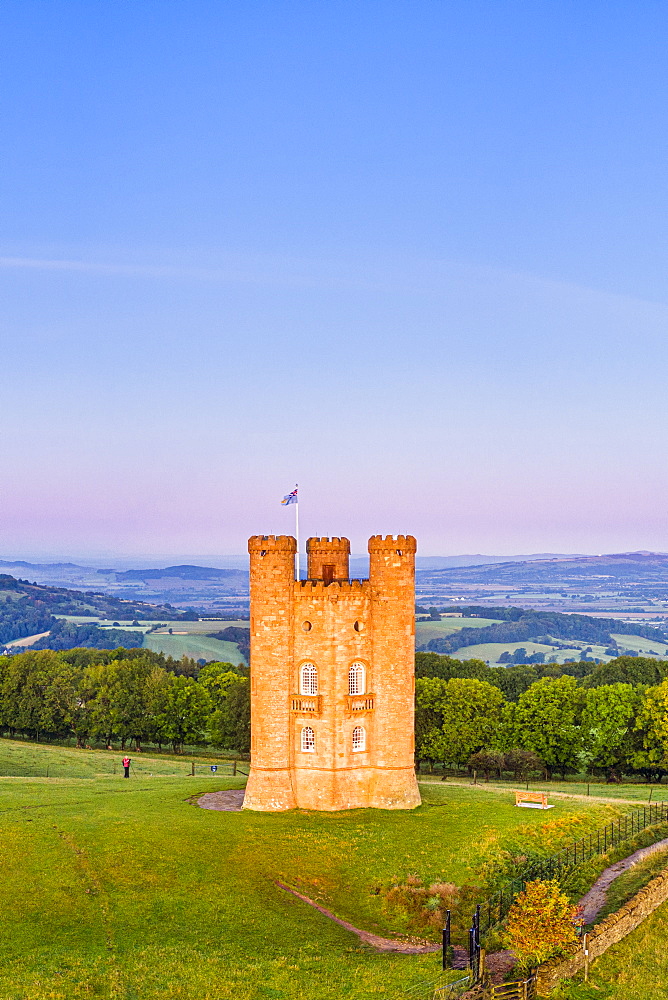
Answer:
(126, 767)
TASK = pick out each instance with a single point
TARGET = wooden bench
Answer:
(540, 797)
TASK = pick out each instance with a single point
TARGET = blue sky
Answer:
(411, 255)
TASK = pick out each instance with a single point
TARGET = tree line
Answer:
(610, 718)
(124, 696)
(610, 721)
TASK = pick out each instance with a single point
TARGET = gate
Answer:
(523, 989)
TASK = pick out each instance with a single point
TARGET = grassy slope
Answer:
(197, 646)
(424, 631)
(122, 889)
(492, 651)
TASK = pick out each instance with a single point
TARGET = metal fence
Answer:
(434, 990)
(494, 909)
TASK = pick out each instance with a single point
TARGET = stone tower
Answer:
(332, 676)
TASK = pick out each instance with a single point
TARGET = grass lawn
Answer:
(638, 793)
(122, 889)
(32, 760)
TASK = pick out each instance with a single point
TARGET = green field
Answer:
(197, 646)
(641, 645)
(195, 643)
(124, 889)
(491, 651)
(424, 631)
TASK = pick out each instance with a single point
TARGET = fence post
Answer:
(446, 941)
(234, 767)
(192, 767)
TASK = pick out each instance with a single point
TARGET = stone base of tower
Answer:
(269, 790)
(356, 788)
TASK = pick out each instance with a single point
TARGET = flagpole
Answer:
(297, 531)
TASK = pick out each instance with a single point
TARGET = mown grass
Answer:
(123, 889)
(39, 760)
(595, 789)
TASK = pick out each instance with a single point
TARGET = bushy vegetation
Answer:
(124, 695)
(541, 923)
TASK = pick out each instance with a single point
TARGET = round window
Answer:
(307, 626)
(358, 626)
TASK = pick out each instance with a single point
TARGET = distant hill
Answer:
(28, 609)
(183, 573)
(626, 567)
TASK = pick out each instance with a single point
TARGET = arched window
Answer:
(359, 738)
(309, 679)
(357, 679)
(308, 740)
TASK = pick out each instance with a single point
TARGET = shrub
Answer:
(541, 923)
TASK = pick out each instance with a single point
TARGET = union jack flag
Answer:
(290, 498)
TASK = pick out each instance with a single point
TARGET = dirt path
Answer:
(374, 940)
(594, 900)
(231, 800)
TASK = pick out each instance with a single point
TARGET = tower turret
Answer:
(328, 559)
(272, 579)
(392, 583)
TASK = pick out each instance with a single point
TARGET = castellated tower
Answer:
(332, 676)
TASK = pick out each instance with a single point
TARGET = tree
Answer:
(37, 693)
(650, 755)
(217, 677)
(541, 923)
(469, 710)
(546, 721)
(229, 725)
(486, 761)
(186, 710)
(628, 670)
(608, 720)
(521, 762)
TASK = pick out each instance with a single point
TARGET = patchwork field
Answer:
(187, 639)
(123, 889)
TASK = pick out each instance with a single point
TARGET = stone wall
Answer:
(608, 932)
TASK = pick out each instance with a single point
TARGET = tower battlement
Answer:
(260, 544)
(310, 588)
(328, 544)
(406, 543)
